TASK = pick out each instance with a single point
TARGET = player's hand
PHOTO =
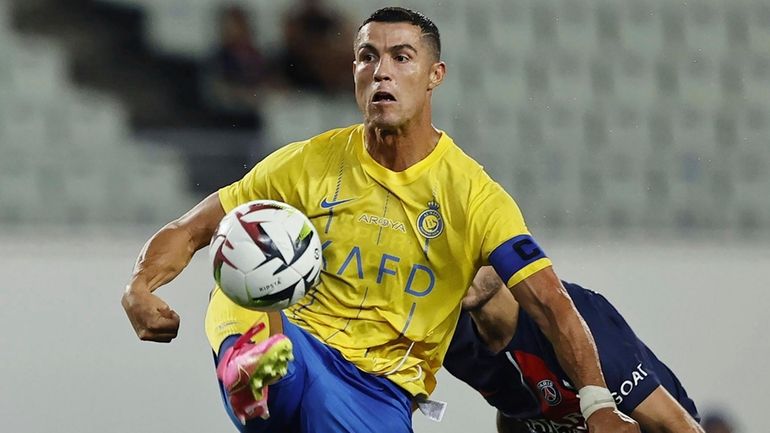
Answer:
(609, 420)
(152, 319)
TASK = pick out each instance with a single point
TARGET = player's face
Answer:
(394, 72)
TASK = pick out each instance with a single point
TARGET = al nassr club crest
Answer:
(430, 223)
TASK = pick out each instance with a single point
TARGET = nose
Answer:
(382, 72)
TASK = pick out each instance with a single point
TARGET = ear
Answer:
(437, 72)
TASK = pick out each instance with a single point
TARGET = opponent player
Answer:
(406, 220)
(498, 350)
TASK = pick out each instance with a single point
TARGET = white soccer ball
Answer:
(266, 255)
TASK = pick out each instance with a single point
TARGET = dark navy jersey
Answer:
(524, 381)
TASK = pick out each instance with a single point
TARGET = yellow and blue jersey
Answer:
(400, 248)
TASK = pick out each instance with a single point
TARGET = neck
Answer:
(399, 148)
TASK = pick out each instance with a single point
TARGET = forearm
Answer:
(545, 299)
(169, 250)
(572, 341)
(162, 258)
(675, 424)
(685, 425)
(661, 413)
(548, 303)
(493, 309)
(678, 426)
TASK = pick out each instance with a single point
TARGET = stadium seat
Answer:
(635, 79)
(23, 124)
(699, 79)
(21, 190)
(667, 78)
(63, 147)
(39, 69)
(571, 85)
(673, 26)
(576, 27)
(757, 79)
(609, 27)
(750, 211)
(641, 27)
(512, 27)
(95, 122)
(292, 117)
(755, 127)
(737, 25)
(268, 21)
(182, 27)
(759, 26)
(706, 28)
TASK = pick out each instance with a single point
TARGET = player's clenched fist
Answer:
(611, 420)
(151, 318)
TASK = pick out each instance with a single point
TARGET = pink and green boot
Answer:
(246, 369)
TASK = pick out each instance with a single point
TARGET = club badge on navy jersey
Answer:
(549, 391)
(430, 223)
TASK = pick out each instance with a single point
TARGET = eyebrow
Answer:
(394, 48)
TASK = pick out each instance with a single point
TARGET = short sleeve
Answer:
(506, 242)
(631, 382)
(273, 178)
(627, 364)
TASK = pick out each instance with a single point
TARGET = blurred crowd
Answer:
(315, 56)
(659, 120)
(312, 55)
(718, 422)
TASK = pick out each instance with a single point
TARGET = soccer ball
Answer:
(266, 255)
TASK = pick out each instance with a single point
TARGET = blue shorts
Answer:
(324, 393)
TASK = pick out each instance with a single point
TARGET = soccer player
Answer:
(498, 350)
(406, 219)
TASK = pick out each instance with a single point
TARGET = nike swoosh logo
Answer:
(330, 204)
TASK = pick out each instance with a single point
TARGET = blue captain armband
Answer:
(514, 255)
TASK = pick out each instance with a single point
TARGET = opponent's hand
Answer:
(152, 319)
(609, 420)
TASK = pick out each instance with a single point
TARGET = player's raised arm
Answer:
(162, 258)
(528, 272)
(545, 299)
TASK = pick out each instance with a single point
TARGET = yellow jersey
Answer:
(400, 249)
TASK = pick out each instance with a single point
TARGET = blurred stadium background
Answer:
(634, 135)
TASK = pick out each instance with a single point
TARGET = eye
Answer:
(402, 58)
(366, 57)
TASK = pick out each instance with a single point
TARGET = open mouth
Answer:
(383, 97)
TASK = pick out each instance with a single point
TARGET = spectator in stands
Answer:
(231, 86)
(316, 54)
(716, 422)
(236, 69)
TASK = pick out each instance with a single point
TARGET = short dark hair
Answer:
(396, 14)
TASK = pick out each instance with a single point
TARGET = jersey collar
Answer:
(388, 176)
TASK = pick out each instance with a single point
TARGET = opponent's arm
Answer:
(661, 413)
(493, 309)
(161, 259)
(545, 299)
